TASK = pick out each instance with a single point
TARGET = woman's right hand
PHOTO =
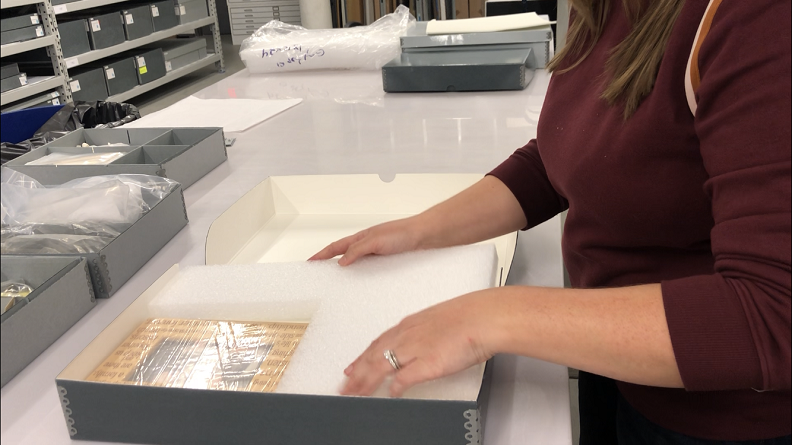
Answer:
(384, 239)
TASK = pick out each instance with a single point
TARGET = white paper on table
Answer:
(233, 115)
(511, 22)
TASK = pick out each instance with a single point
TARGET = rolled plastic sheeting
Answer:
(281, 47)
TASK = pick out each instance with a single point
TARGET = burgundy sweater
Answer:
(700, 204)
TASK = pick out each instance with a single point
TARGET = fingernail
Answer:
(348, 369)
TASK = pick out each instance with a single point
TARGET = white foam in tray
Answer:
(348, 307)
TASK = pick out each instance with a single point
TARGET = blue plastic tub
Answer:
(20, 125)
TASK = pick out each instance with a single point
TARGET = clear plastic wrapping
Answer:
(80, 216)
(201, 354)
(280, 47)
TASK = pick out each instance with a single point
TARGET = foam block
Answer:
(347, 307)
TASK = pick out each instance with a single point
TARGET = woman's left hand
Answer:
(438, 341)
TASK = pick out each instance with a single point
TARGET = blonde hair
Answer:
(633, 64)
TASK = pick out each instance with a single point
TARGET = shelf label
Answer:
(71, 63)
(54, 94)
(154, 11)
(34, 19)
(168, 65)
(23, 79)
(143, 70)
(55, 102)
(95, 25)
(60, 9)
(129, 19)
(182, 10)
(39, 31)
(110, 73)
(75, 86)
(141, 62)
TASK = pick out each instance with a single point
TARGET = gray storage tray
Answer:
(124, 76)
(538, 40)
(416, 37)
(141, 24)
(182, 154)
(458, 71)
(21, 34)
(163, 16)
(11, 69)
(115, 264)
(181, 416)
(62, 294)
(13, 82)
(190, 10)
(185, 59)
(88, 84)
(74, 37)
(21, 21)
(110, 33)
(150, 66)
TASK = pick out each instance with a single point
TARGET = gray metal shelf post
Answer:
(55, 51)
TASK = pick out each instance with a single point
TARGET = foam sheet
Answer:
(347, 307)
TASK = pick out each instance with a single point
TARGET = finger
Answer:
(355, 251)
(367, 375)
(418, 371)
(370, 370)
(335, 248)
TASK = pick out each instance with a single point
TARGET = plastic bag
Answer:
(54, 244)
(97, 205)
(280, 47)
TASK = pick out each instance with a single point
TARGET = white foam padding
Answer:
(348, 307)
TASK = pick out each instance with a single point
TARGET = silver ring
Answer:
(391, 358)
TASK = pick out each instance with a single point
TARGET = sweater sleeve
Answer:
(731, 330)
(524, 174)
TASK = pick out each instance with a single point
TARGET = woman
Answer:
(677, 239)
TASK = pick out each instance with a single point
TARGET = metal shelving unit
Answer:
(91, 56)
(51, 41)
(5, 4)
(82, 4)
(11, 49)
(61, 65)
(175, 74)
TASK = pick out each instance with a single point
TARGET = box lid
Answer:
(417, 38)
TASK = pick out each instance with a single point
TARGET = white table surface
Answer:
(345, 125)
